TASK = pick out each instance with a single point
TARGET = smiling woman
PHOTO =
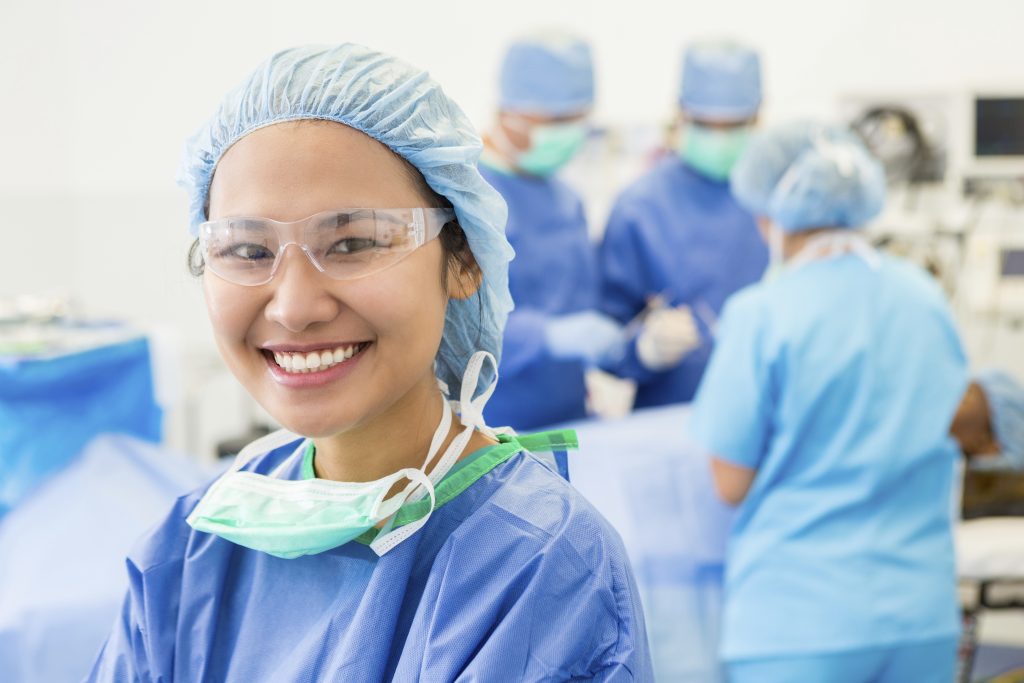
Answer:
(353, 261)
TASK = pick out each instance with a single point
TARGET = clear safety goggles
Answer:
(344, 245)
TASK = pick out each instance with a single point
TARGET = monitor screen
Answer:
(999, 126)
(1012, 263)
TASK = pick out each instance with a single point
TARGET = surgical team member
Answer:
(382, 537)
(555, 335)
(827, 406)
(677, 242)
(989, 424)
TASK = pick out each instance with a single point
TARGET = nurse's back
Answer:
(849, 513)
(826, 407)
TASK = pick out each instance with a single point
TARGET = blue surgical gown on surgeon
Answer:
(837, 382)
(554, 273)
(515, 577)
(677, 234)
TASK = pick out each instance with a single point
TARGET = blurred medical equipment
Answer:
(895, 135)
(998, 135)
(993, 272)
(62, 573)
(62, 382)
(955, 166)
(990, 566)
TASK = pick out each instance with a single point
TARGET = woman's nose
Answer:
(301, 294)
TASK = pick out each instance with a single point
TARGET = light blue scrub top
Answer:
(837, 383)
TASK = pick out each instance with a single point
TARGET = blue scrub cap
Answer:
(403, 108)
(550, 74)
(1006, 403)
(721, 82)
(805, 176)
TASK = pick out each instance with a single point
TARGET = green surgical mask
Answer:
(289, 518)
(712, 152)
(551, 147)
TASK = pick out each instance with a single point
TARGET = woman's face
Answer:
(393, 319)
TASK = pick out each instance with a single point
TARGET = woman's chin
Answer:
(311, 426)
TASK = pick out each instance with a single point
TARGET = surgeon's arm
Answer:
(732, 482)
(732, 411)
(625, 268)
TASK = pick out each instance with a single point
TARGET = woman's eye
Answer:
(248, 252)
(352, 245)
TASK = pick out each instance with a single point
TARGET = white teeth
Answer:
(314, 360)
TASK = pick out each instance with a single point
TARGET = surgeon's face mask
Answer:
(289, 518)
(552, 145)
(713, 152)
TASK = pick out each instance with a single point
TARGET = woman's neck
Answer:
(396, 439)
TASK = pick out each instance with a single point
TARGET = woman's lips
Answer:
(313, 368)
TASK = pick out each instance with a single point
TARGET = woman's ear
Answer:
(464, 277)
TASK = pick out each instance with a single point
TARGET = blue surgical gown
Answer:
(554, 273)
(515, 578)
(837, 382)
(677, 234)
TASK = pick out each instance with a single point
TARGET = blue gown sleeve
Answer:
(141, 645)
(621, 265)
(733, 406)
(624, 286)
(523, 345)
(123, 659)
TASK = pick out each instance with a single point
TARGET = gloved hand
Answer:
(608, 397)
(587, 336)
(668, 335)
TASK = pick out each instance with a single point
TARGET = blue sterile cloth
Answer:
(51, 407)
(62, 553)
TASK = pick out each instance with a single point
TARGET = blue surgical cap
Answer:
(550, 74)
(721, 82)
(1005, 398)
(403, 108)
(804, 176)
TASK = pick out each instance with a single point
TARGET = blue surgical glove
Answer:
(587, 336)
